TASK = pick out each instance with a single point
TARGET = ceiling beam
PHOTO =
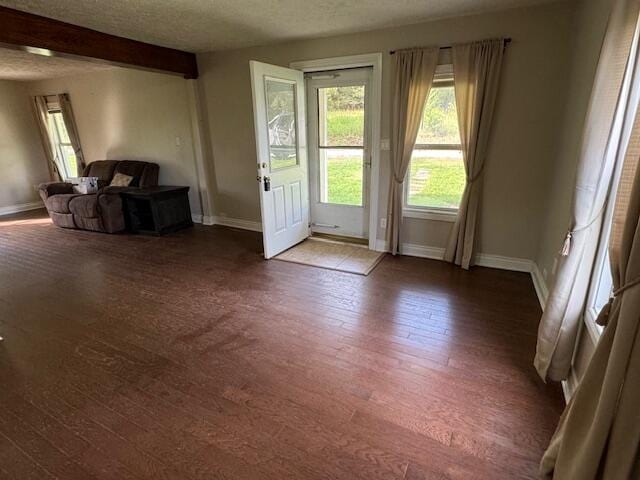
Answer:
(45, 36)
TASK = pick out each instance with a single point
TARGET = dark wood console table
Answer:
(157, 210)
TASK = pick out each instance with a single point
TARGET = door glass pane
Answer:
(341, 116)
(341, 174)
(436, 179)
(281, 118)
(439, 124)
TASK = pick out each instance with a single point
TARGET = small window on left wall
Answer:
(67, 161)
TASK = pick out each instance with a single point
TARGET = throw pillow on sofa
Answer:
(121, 180)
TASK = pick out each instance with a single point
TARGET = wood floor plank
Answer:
(16, 464)
(189, 356)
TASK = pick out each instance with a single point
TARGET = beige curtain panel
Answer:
(413, 75)
(72, 130)
(476, 74)
(599, 433)
(565, 306)
(41, 111)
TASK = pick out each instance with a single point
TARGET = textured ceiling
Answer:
(207, 25)
(19, 65)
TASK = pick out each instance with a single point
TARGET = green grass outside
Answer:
(345, 180)
(345, 127)
(442, 187)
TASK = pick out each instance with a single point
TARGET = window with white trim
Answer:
(436, 177)
(626, 132)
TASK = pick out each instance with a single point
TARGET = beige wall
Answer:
(134, 115)
(22, 161)
(526, 126)
(589, 26)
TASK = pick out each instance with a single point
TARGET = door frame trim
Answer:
(373, 60)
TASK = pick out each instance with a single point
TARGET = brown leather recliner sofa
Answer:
(101, 211)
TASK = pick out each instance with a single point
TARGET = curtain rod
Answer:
(507, 41)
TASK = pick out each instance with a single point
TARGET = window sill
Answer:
(430, 214)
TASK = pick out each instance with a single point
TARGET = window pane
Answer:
(436, 179)
(62, 129)
(439, 119)
(341, 174)
(341, 116)
(65, 155)
(69, 160)
(281, 118)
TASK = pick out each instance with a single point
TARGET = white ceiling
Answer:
(23, 66)
(208, 25)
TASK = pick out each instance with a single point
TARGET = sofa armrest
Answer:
(46, 190)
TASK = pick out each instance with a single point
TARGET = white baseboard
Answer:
(227, 222)
(236, 223)
(413, 250)
(422, 251)
(482, 259)
(504, 263)
(22, 207)
(539, 283)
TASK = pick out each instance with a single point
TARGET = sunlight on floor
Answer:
(32, 221)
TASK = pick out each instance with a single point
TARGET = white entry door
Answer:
(281, 144)
(339, 151)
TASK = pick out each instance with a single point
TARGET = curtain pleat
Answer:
(476, 73)
(599, 432)
(414, 72)
(601, 140)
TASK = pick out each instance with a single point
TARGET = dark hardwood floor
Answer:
(190, 357)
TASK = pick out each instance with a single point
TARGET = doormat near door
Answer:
(345, 257)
